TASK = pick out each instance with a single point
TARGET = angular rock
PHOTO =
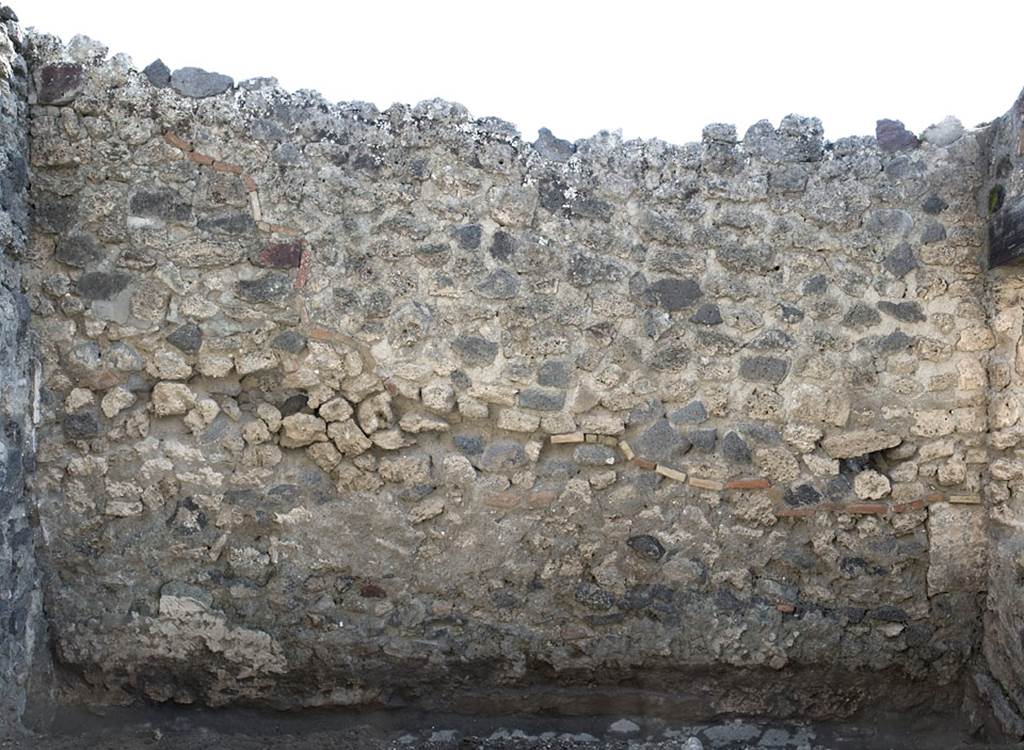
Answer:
(199, 84)
(158, 74)
(859, 443)
(59, 83)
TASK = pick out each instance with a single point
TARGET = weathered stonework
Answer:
(349, 407)
(22, 647)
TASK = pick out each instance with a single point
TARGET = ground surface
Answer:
(159, 730)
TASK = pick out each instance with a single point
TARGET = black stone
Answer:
(293, 404)
(908, 311)
(79, 250)
(540, 399)
(591, 595)
(816, 284)
(900, 261)
(267, 288)
(790, 314)
(503, 455)
(188, 337)
(861, 315)
(53, 213)
(229, 224)
(934, 204)
(162, 204)
(660, 443)
(59, 83)
(1006, 234)
(735, 448)
(646, 547)
(593, 454)
(933, 232)
(772, 340)
(468, 236)
(764, 369)
(158, 74)
(198, 83)
(800, 495)
(892, 136)
(674, 294)
(584, 270)
(499, 284)
(889, 613)
(475, 350)
(747, 258)
(895, 342)
(503, 246)
(703, 439)
(554, 374)
(550, 147)
(469, 445)
(693, 413)
(707, 314)
(99, 285)
(82, 425)
(670, 358)
(552, 195)
(289, 341)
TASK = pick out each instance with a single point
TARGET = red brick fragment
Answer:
(249, 183)
(372, 591)
(864, 508)
(199, 158)
(748, 484)
(785, 608)
(643, 463)
(795, 512)
(226, 167)
(178, 143)
(281, 255)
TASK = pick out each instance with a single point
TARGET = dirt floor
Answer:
(241, 730)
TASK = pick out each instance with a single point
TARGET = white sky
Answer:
(654, 69)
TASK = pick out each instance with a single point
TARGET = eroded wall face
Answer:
(1004, 616)
(20, 596)
(343, 406)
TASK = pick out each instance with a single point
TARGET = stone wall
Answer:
(20, 595)
(349, 407)
(1001, 196)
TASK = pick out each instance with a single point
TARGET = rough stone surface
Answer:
(349, 407)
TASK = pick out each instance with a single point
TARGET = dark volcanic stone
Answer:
(933, 232)
(99, 285)
(81, 426)
(763, 369)
(693, 413)
(550, 147)
(475, 350)
(674, 294)
(199, 84)
(162, 204)
(934, 204)
(646, 547)
(861, 315)
(908, 311)
(790, 314)
(592, 454)
(900, 261)
(188, 337)
(540, 399)
(502, 246)
(499, 284)
(735, 448)
(231, 224)
(503, 455)
(703, 439)
(895, 342)
(803, 494)
(281, 255)
(816, 284)
(79, 250)
(892, 136)
(267, 288)
(158, 74)
(591, 595)
(293, 405)
(554, 374)
(59, 83)
(585, 269)
(468, 236)
(470, 445)
(661, 443)
(707, 314)
(289, 341)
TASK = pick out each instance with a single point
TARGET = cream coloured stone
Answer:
(515, 420)
(79, 398)
(438, 396)
(168, 364)
(416, 422)
(335, 410)
(348, 438)
(858, 443)
(271, 415)
(171, 399)
(116, 400)
(214, 365)
(250, 362)
(870, 485)
(299, 430)
(375, 413)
